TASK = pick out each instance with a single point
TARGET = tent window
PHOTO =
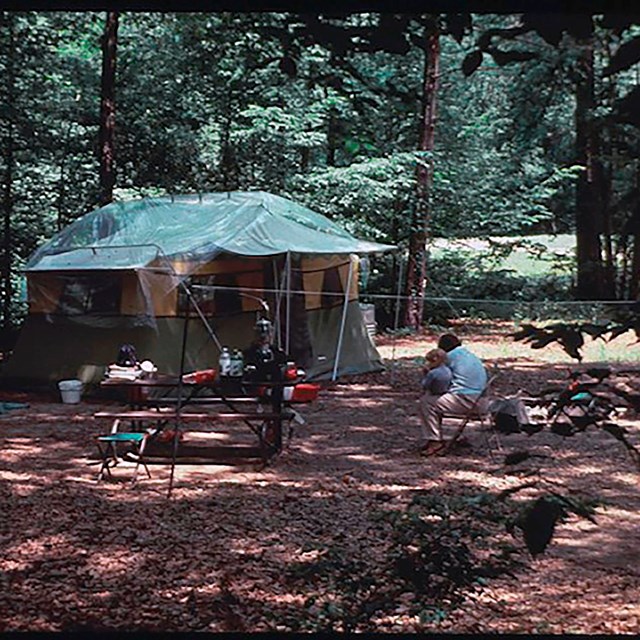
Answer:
(213, 300)
(83, 295)
(332, 291)
(203, 296)
(227, 299)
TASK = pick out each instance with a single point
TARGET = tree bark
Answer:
(228, 161)
(332, 138)
(417, 261)
(634, 232)
(634, 289)
(9, 162)
(589, 222)
(108, 109)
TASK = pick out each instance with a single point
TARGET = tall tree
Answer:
(417, 257)
(8, 144)
(589, 205)
(108, 108)
(605, 201)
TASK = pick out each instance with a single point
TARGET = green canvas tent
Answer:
(137, 271)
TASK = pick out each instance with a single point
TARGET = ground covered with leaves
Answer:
(348, 529)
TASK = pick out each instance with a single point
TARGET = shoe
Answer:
(432, 448)
(462, 443)
(454, 446)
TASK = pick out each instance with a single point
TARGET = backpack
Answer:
(509, 414)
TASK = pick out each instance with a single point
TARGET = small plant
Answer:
(442, 549)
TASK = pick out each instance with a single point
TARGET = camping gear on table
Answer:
(124, 373)
(236, 366)
(231, 369)
(224, 362)
(148, 368)
(127, 356)
(200, 377)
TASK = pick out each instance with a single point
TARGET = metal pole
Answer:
(396, 321)
(176, 433)
(288, 321)
(278, 296)
(344, 320)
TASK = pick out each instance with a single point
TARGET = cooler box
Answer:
(303, 392)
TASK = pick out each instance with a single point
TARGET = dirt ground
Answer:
(80, 555)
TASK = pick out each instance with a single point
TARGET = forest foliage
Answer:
(535, 128)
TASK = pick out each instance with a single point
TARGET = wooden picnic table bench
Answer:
(189, 415)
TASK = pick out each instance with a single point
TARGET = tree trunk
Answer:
(634, 289)
(417, 260)
(590, 277)
(9, 161)
(228, 161)
(60, 219)
(305, 153)
(332, 138)
(108, 109)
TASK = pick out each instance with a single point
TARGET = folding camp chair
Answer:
(108, 448)
(478, 412)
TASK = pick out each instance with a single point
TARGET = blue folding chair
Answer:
(108, 448)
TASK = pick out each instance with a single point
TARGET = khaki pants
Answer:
(432, 408)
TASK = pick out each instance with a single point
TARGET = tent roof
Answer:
(194, 227)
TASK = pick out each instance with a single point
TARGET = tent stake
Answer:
(344, 320)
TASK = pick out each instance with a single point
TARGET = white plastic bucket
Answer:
(70, 390)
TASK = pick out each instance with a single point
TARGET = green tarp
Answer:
(130, 235)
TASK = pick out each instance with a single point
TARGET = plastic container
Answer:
(303, 392)
(203, 376)
(291, 371)
(224, 363)
(70, 391)
(236, 367)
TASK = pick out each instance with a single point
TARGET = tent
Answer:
(136, 272)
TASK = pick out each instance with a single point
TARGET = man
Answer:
(468, 380)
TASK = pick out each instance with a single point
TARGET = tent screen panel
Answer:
(332, 290)
(227, 298)
(204, 296)
(44, 290)
(84, 294)
(219, 294)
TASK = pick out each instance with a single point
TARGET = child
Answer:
(436, 376)
(436, 379)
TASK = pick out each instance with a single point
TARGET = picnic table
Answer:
(163, 403)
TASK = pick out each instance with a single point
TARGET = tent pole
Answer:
(176, 432)
(190, 300)
(396, 320)
(278, 296)
(201, 315)
(187, 292)
(288, 321)
(344, 320)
